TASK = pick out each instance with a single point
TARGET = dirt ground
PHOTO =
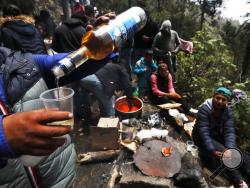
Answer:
(96, 175)
(89, 175)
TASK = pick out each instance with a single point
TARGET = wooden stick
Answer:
(115, 170)
(97, 156)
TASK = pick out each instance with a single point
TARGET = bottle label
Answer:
(123, 30)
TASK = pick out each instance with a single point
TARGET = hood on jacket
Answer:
(209, 103)
(166, 25)
(74, 22)
(22, 24)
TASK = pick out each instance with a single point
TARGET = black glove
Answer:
(130, 103)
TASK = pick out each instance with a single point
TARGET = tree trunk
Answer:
(246, 61)
(158, 4)
(129, 3)
(66, 9)
(202, 5)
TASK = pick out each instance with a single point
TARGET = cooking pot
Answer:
(121, 108)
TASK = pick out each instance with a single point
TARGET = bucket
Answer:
(122, 109)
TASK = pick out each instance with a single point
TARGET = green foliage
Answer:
(242, 123)
(209, 66)
(112, 5)
(237, 37)
(53, 7)
(183, 14)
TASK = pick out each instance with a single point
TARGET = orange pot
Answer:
(122, 109)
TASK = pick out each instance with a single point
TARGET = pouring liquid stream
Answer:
(59, 95)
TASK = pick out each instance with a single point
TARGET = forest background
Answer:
(221, 54)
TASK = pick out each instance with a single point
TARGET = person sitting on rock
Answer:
(163, 90)
(214, 134)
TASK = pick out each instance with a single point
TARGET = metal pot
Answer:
(121, 102)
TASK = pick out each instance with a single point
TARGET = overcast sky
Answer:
(235, 9)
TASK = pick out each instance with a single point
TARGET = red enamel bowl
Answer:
(122, 109)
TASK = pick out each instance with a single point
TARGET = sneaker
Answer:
(243, 184)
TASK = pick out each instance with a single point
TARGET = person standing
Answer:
(19, 32)
(144, 38)
(68, 35)
(166, 45)
(23, 77)
(103, 84)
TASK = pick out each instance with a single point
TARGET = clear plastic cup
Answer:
(59, 98)
(189, 144)
(30, 160)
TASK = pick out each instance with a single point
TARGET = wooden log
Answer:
(97, 156)
(169, 105)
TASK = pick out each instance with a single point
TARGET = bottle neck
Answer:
(71, 62)
(80, 56)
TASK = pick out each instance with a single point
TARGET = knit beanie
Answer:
(223, 91)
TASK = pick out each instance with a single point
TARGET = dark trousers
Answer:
(170, 60)
(233, 175)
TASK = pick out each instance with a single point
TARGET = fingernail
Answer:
(70, 115)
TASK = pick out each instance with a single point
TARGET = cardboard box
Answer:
(105, 135)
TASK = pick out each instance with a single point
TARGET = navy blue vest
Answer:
(19, 72)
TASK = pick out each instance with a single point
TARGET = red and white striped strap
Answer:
(3, 109)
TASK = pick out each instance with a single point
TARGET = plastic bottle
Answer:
(100, 42)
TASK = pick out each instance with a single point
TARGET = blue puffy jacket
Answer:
(206, 128)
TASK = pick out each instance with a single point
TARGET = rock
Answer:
(191, 174)
(219, 181)
(133, 178)
(150, 160)
(180, 146)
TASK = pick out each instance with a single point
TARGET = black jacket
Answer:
(68, 36)
(114, 76)
(207, 129)
(22, 35)
(150, 30)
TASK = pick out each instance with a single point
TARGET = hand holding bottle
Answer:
(101, 41)
(102, 20)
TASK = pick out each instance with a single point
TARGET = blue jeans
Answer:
(106, 103)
